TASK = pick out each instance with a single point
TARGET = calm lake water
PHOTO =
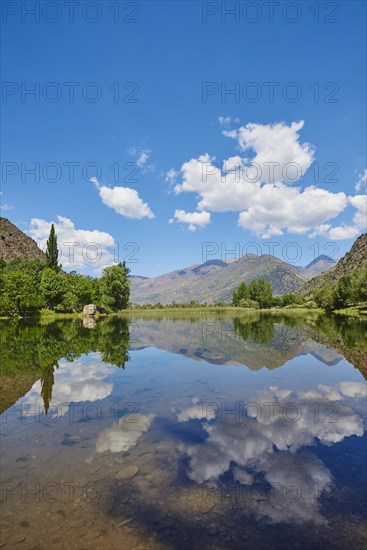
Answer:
(197, 432)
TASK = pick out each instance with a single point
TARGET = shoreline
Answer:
(355, 312)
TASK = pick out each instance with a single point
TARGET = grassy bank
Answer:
(216, 309)
(355, 311)
(46, 315)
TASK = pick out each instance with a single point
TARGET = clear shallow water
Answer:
(189, 432)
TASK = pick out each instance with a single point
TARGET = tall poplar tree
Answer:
(52, 254)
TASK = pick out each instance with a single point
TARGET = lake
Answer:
(184, 431)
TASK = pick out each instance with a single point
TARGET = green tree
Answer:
(115, 287)
(240, 293)
(33, 268)
(287, 299)
(17, 293)
(52, 253)
(261, 292)
(324, 297)
(52, 287)
(359, 286)
(78, 293)
(342, 296)
(96, 291)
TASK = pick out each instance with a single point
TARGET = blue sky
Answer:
(166, 116)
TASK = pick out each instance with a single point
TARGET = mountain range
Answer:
(214, 280)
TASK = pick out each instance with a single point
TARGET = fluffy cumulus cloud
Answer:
(278, 152)
(281, 207)
(271, 442)
(193, 219)
(125, 201)
(261, 185)
(125, 434)
(347, 231)
(78, 248)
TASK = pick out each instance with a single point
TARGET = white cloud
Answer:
(335, 233)
(78, 248)
(227, 120)
(142, 155)
(280, 208)
(95, 182)
(359, 202)
(278, 144)
(260, 188)
(125, 201)
(345, 231)
(171, 176)
(361, 183)
(125, 434)
(194, 219)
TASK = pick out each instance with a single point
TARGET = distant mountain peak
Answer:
(209, 263)
(321, 258)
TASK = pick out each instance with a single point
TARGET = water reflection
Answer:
(261, 440)
(125, 434)
(30, 352)
(210, 432)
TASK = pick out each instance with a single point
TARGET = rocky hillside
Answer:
(15, 244)
(355, 258)
(214, 281)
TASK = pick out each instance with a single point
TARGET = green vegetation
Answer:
(28, 286)
(259, 294)
(349, 291)
(348, 296)
(42, 288)
(52, 253)
(114, 287)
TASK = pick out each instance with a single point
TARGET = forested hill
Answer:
(354, 259)
(16, 244)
